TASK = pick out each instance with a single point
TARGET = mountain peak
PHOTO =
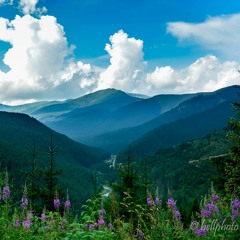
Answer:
(100, 96)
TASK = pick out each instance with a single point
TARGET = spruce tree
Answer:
(232, 166)
(50, 178)
(127, 187)
(33, 174)
(228, 165)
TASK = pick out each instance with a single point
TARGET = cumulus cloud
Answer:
(126, 63)
(205, 74)
(220, 33)
(6, 2)
(37, 59)
(29, 7)
(42, 67)
(78, 78)
(127, 71)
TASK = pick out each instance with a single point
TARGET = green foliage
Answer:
(232, 167)
(129, 210)
(228, 165)
(137, 220)
(175, 169)
(33, 175)
(90, 213)
(18, 132)
(128, 188)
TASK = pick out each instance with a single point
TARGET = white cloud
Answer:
(29, 7)
(220, 34)
(205, 74)
(41, 66)
(6, 2)
(127, 71)
(38, 59)
(126, 63)
(78, 78)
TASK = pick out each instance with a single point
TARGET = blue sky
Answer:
(89, 23)
(175, 37)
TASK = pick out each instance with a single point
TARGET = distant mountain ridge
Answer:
(108, 96)
(194, 126)
(197, 103)
(111, 118)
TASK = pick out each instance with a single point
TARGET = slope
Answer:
(194, 126)
(17, 134)
(79, 123)
(115, 140)
(187, 169)
(109, 98)
(27, 108)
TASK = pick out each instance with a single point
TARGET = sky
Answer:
(61, 49)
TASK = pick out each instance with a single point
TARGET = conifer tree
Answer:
(232, 167)
(33, 174)
(127, 187)
(50, 176)
(145, 177)
(228, 165)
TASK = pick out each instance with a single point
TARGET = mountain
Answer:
(166, 127)
(138, 95)
(118, 112)
(102, 111)
(17, 134)
(28, 108)
(93, 111)
(111, 119)
(187, 169)
(196, 103)
(112, 98)
(109, 98)
(195, 126)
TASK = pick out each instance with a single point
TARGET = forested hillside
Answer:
(187, 114)
(187, 169)
(195, 126)
(19, 133)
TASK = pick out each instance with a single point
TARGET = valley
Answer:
(110, 121)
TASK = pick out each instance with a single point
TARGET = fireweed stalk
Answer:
(172, 205)
(56, 202)
(6, 188)
(67, 204)
(24, 201)
(6, 192)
